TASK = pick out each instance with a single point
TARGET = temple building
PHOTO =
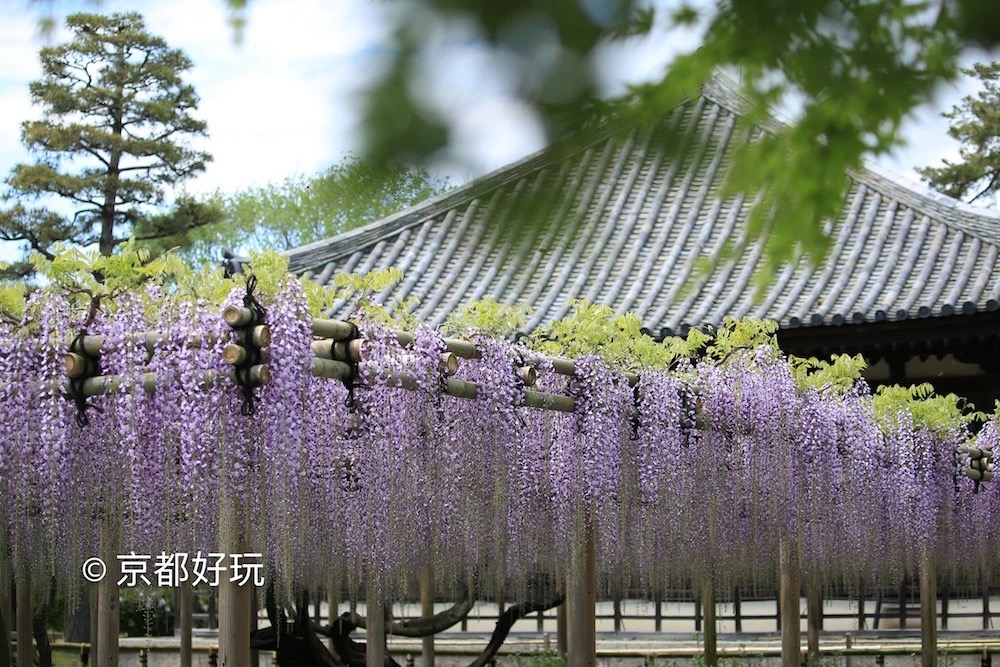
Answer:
(911, 280)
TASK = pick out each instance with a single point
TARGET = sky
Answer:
(284, 100)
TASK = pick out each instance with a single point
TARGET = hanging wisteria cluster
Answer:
(684, 475)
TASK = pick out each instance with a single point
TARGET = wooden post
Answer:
(427, 610)
(375, 625)
(581, 627)
(185, 600)
(737, 610)
(788, 565)
(986, 601)
(562, 612)
(928, 609)
(945, 593)
(25, 651)
(711, 629)
(107, 600)
(814, 621)
(234, 608)
(6, 613)
(93, 600)
(861, 607)
(334, 602)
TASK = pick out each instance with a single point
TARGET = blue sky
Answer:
(284, 101)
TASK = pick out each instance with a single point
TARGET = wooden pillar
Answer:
(737, 610)
(711, 629)
(334, 602)
(791, 638)
(581, 630)
(107, 600)
(6, 613)
(185, 599)
(234, 601)
(986, 601)
(562, 611)
(928, 610)
(945, 594)
(94, 601)
(25, 650)
(814, 621)
(427, 610)
(375, 625)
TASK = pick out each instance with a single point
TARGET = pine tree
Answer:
(113, 139)
(975, 123)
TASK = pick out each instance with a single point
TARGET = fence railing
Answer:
(966, 608)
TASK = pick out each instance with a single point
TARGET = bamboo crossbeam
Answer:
(150, 340)
(339, 370)
(108, 384)
(330, 349)
(335, 329)
(352, 350)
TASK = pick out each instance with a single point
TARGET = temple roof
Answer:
(641, 219)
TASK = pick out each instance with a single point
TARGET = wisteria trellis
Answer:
(690, 475)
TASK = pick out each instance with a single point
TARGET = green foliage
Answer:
(926, 407)
(595, 329)
(742, 334)
(489, 318)
(363, 287)
(976, 124)
(113, 136)
(93, 282)
(839, 374)
(301, 210)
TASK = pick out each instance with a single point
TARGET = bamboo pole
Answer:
(427, 610)
(711, 629)
(186, 603)
(814, 621)
(25, 650)
(94, 345)
(928, 609)
(581, 627)
(338, 331)
(109, 384)
(788, 564)
(374, 625)
(107, 600)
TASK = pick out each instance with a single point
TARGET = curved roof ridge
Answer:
(334, 247)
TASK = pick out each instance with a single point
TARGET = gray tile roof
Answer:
(645, 218)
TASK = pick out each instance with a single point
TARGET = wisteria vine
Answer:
(685, 474)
